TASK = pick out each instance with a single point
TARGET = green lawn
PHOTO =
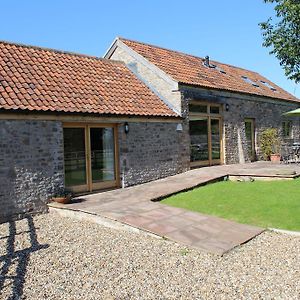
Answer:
(263, 203)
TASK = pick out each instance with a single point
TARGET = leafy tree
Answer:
(283, 35)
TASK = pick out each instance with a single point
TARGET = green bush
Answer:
(269, 142)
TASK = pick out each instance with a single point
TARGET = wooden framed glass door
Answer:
(205, 134)
(75, 158)
(91, 158)
(199, 141)
(102, 157)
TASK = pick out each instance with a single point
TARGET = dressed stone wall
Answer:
(151, 151)
(31, 166)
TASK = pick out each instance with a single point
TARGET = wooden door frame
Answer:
(90, 186)
(209, 117)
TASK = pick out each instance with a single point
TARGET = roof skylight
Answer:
(268, 85)
(248, 80)
(221, 70)
(212, 66)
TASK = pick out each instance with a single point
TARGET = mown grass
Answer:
(263, 203)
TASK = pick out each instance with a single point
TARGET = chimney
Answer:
(206, 61)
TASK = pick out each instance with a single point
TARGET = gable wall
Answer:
(166, 89)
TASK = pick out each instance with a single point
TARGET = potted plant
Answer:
(62, 196)
(270, 144)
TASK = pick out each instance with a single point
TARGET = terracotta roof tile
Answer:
(33, 78)
(190, 70)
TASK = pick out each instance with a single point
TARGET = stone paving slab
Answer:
(134, 206)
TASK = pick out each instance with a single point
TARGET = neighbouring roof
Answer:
(39, 79)
(191, 70)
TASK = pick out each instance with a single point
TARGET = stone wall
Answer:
(31, 152)
(151, 151)
(265, 115)
(265, 112)
(31, 166)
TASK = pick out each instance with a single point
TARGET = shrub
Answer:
(269, 142)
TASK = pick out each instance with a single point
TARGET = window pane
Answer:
(198, 108)
(287, 128)
(74, 155)
(248, 131)
(214, 109)
(283, 129)
(102, 154)
(199, 140)
(215, 139)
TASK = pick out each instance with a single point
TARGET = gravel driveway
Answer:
(52, 257)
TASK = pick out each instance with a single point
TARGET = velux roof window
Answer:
(248, 80)
(268, 85)
(212, 66)
(218, 68)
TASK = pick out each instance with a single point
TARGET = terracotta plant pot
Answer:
(63, 200)
(275, 157)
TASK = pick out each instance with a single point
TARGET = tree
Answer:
(283, 36)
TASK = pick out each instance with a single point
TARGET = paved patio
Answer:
(134, 206)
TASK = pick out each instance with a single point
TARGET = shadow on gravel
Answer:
(16, 261)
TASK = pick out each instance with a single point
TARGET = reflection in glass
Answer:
(214, 109)
(199, 140)
(198, 108)
(74, 155)
(215, 139)
(102, 154)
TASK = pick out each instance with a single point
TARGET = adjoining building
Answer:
(225, 108)
(81, 122)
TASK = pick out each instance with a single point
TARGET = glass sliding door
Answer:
(75, 158)
(199, 140)
(90, 157)
(205, 134)
(102, 156)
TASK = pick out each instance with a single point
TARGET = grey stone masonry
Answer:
(151, 151)
(265, 112)
(31, 166)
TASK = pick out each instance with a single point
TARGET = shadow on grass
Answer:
(16, 261)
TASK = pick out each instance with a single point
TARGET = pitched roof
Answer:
(39, 79)
(190, 70)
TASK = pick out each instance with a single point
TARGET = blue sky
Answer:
(227, 31)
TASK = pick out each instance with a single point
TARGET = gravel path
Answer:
(51, 257)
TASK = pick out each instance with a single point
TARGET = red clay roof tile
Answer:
(190, 70)
(33, 78)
